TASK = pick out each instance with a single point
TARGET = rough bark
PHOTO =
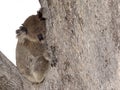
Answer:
(83, 36)
(10, 78)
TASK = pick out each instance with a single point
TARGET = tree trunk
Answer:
(83, 36)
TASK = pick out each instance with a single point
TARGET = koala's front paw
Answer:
(54, 62)
(54, 58)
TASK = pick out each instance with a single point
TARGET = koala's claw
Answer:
(54, 62)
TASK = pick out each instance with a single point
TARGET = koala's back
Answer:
(22, 55)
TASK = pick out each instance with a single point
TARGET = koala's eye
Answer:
(40, 37)
(24, 29)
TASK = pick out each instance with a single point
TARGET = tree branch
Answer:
(10, 78)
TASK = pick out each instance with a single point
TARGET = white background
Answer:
(12, 15)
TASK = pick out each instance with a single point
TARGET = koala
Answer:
(30, 49)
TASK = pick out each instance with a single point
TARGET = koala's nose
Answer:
(17, 31)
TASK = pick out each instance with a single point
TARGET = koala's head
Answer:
(33, 29)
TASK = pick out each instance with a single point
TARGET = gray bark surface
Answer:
(10, 78)
(84, 37)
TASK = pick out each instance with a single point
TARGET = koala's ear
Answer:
(39, 13)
